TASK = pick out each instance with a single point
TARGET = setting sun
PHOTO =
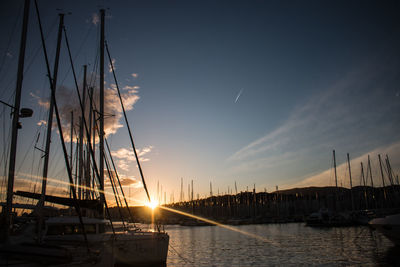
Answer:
(152, 204)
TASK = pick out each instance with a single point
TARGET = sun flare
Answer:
(152, 204)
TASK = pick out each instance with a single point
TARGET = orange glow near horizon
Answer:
(154, 204)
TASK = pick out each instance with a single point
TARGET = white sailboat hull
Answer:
(141, 248)
(388, 226)
(125, 247)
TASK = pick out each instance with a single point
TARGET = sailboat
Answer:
(389, 226)
(72, 239)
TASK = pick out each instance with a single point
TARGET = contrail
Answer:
(240, 92)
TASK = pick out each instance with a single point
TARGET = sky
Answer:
(253, 92)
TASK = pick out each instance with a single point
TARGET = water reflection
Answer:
(293, 244)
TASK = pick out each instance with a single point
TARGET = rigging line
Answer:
(35, 54)
(77, 53)
(18, 18)
(60, 127)
(96, 61)
(387, 171)
(116, 173)
(92, 79)
(114, 190)
(9, 101)
(87, 130)
(29, 62)
(33, 154)
(127, 123)
(116, 177)
(27, 151)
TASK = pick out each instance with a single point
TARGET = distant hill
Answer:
(312, 190)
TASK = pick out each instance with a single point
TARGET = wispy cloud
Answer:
(356, 114)
(113, 65)
(124, 153)
(124, 180)
(123, 164)
(95, 19)
(43, 102)
(132, 89)
(67, 102)
(326, 177)
(126, 157)
(134, 75)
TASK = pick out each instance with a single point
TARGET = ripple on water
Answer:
(291, 245)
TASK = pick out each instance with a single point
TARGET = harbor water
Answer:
(290, 244)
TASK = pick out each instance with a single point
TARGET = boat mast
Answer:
(181, 196)
(127, 125)
(89, 136)
(370, 172)
(64, 149)
(389, 171)
(383, 178)
(101, 135)
(80, 177)
(351, 183)
(49, 128)
(372, 181)
(336, 191)
(334, 166)
(15, 122)
(72, 143)
(50, 119)
(365, 188)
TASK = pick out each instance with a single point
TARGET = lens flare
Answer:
(152, 204)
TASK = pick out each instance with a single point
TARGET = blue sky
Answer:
(312, 77)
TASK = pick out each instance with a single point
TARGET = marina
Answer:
(267, 133)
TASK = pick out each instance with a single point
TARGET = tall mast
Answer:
(51, 111)
(81, 167)
(389, 171)
(89, 136)
(49, 126)
(181, 197)
(351, 183)
(383, 178)
(94, 125)
(158, 191)
(188, 192)
(369, 168)
(370, 172)
(192, 202)
(336, 191)
(101, 135)
(79, 158)
(72, 143)
(365, 188)
(64, 149)
(334, 166)
(15, 122)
